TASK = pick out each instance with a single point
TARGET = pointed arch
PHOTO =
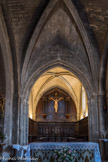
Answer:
(89, 80)
(52, 64)
(91, 52)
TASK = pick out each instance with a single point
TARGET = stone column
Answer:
(89, 121)
(11, 125)
(94, 119)
(21, 121)
(15, 124)
(102, 112)
(24, 122)
(8, 119)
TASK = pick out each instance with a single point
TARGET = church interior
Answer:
(58, 108)
(54, 76)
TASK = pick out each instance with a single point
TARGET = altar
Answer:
(85, 151)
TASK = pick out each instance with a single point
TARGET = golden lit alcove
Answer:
(63, 86)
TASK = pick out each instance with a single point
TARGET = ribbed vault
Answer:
(60, 78)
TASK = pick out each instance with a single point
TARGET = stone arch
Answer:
(4, 41)
(53, 64)
(92, 99)
(91, 86)
(91, 52)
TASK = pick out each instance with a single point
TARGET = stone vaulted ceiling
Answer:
(22, 15)
(61, 36)
(55, 78)
(60, 32)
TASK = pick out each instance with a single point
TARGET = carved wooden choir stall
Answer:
(56, 120)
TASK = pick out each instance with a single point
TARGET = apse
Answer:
(58, 110)
(58, 83)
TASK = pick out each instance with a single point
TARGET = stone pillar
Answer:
(24, 122)
(15, 124)
(102, 116)
(11, 124)
(21, 121)
(89, 121)
(94, 119)
(8, 119)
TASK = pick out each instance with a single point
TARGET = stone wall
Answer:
(97, 15)
(23, 16)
